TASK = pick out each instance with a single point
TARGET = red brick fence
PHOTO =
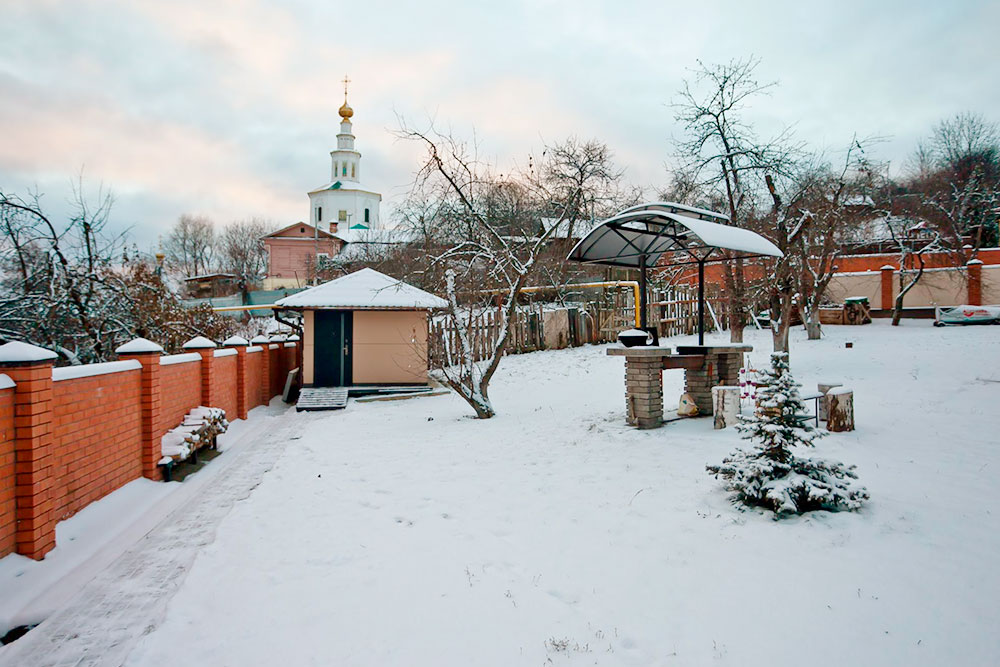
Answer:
(69, 436)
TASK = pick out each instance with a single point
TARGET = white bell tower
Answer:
(343, 204)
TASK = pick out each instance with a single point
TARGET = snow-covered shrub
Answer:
(769, 474)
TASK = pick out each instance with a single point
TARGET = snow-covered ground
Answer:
(405, 533)
(99, 533)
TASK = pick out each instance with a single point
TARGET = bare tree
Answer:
(78, 290)
(243, 252)
(191, 246)
(723, 160)
(494, 231)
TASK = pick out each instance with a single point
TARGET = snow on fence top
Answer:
(289, 344)
(138, 346)
(236, 340)
(254, 348)
(89, 370)
(16, 351)
(198, 343)
(363, 289)
(227, 352)
(6, 382)
(179, 358)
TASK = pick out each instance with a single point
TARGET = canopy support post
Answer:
(642, 292)
(701, 302)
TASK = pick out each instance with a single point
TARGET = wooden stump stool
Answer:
(840, 410)
(824, 388)
(725, 405)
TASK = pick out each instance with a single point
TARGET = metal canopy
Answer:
(650, 230)
(638, 237)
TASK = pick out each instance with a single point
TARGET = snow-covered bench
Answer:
(200, 428)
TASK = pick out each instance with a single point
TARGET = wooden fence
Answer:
(673, 310)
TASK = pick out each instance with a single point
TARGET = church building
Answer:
(340, 211)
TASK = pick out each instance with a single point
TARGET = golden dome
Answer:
(346, 111)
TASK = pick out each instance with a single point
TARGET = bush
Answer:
(769, 475)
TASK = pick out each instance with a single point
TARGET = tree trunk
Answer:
(814, 330)
(725, 406)
(840, 406)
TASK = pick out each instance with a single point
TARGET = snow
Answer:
(138, 346)
(228, 352)
(366, 288)
(236, 340)
(179, 358)
(837, 391)
(407, 533)
(972, 262)
(6, 382)
(95, 536)
(198, 342)
(254, 348)
(89, 370)
(289, 344)
(259, 339)
(16, 351)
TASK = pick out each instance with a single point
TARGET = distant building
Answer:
(210, 285)
(294, 252)
(341, 211)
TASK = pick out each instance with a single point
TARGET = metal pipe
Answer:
(701, 302)
(603, 283)
(642, 292)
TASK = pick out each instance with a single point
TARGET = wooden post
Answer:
(841, 410)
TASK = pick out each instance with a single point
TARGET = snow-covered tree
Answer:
(769, 474)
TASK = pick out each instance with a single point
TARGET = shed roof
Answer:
(364, 289)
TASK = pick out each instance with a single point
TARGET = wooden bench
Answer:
(200, 428)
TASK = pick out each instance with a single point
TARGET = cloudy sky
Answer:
(228, 107)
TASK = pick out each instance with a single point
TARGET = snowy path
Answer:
(128, 599)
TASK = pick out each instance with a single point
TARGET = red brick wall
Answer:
(7, 522)
(278, 372)
(180, 390)
(224, 390)
(255, 363)
(96, 429)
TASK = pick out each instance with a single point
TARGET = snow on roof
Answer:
(236, 340)
(198, 342)
(138, 346)
(653, 229)
(205, 276)
(343, 185)
(16, 351)
(366, 288)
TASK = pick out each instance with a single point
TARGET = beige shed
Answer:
(364, 329)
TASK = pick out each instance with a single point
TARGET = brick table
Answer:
(705, 367)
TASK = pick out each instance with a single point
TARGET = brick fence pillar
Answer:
(30, 367)
(887, 275)
(265, 368)
(241, 373)
(975, 269)
(206, 348)
(148, 354)
(644, 391)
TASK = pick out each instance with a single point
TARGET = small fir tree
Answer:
(769, 474)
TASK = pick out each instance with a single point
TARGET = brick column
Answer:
(975, 269)
(644, 391)
(148, 354)
(206, 348)
(265, 368)
(887, 274)
(241, 373)
(30, 368)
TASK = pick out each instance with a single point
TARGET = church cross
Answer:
(346, 81)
